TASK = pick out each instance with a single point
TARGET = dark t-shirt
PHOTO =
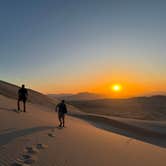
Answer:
(23, 93)
(62, 108)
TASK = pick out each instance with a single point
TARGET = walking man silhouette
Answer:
(62, 110)
(22, 96)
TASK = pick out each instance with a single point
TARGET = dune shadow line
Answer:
(8, 137)
(125, 130)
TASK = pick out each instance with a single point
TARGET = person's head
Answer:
(23, 86)
(63, 101)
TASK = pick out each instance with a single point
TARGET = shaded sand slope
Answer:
(78, 144)
(153, 132)
(143, 108)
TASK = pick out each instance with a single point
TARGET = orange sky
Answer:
(68, 50)
(131, 86)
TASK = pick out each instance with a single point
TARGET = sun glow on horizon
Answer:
(116, 87)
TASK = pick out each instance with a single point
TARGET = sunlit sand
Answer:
(33, 138)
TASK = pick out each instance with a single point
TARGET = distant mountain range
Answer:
(78, 96)
(94, 96)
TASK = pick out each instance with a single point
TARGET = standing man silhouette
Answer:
(22, 96)
(62, 110)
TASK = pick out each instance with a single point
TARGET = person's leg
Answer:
(24, 103)
(63, 120)
(60, 119)
(18, 104)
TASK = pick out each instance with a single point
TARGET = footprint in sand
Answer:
(28, 157)
(24, 160)
(51, 134)
(19, 164)
(29, 161)
(41, 146)
(31, 150)
(17, 111)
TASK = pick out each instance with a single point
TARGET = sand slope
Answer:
(78, 144)
(10, 90)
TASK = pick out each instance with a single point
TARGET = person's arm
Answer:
(26, 93)
(66, 108)
(18, 93)
(56, 108)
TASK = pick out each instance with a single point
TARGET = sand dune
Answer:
(78, 144)
(143, 108)
(33, 138)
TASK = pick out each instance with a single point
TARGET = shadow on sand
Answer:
(10, 136)
(125, 130)
(7, 109)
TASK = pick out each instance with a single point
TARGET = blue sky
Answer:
(79, 45)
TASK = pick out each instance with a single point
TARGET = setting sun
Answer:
(116, 87)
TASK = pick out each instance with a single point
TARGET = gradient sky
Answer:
(69, 46)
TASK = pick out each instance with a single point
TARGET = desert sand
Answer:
(35, 134)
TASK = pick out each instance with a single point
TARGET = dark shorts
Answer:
(24, 99)
(61, 115)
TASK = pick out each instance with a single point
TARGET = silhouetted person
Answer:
(22, 96)
(62, 110)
